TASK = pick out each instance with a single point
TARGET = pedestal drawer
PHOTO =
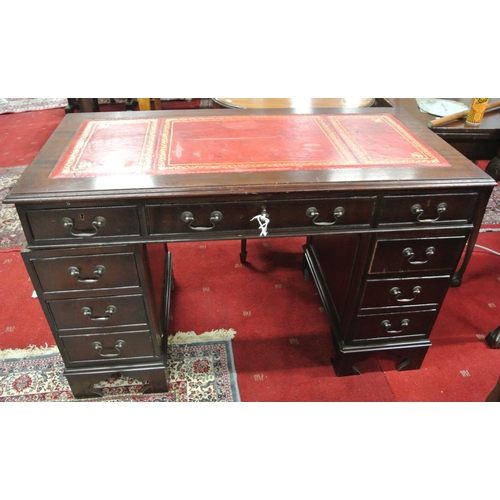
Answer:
(106, 348)
(98, 312)
(387, 326)
(404, 292)
(86, 272)
(410, 255)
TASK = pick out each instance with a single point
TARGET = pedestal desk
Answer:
(385, 207)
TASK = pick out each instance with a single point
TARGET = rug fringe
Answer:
(192, 337)
(29, 352)
(178, 338)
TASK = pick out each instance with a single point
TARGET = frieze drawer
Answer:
(98, 312)
(108, 348)
(403, 255)
(83, 223)
(428, 209)
(166, 219)
(407, 292)
(86, 272)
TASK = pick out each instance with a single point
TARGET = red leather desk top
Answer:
(241, 144)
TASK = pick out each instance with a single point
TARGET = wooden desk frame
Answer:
(382, 228)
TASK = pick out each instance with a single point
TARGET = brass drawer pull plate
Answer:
(419, 211)
(119, 345)
(110, 310)
(98, 272)
(387, 325)
(97, 223)
(409, 254)
(396, 292)
(313, 214)
(188, 217)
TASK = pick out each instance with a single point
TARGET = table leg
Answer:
(494, 395)
(493, 338)
(82, 104)
(144, 103)
(459, 273)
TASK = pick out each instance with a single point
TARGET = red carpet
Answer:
(283, 346)
(22, 135)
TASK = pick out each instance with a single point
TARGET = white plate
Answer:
(441, 107)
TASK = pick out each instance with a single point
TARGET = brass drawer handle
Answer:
(397, 293)
(188, 217)
(98, 222)
(313, 214)
(119, 344)
(110, 310)
(418, 211)
(387, 325)
(409, 254)
(98, 272)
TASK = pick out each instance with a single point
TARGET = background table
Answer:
(475, 143)
(302, 104)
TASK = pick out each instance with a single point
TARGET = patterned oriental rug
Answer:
(199, 372)
(11, 233)
(22, 105)
(25, 104)
(492, 214)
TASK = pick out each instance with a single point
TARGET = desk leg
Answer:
(243, 251)
(494, 395)
(406, 358)
(82, 104)
(493, 338)
(459, 273)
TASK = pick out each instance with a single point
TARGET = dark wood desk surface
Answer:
(36, 186)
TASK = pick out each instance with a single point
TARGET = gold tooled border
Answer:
(165, 162)
(429, 157)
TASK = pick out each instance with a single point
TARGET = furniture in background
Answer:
(494, 395)
(385, 230)
(145, 103)
(493, 167)
(90, 104)
(475, 143)
(304, 104)
(493, 338)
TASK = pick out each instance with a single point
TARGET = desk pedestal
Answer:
(108, 310)
(382, 292)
